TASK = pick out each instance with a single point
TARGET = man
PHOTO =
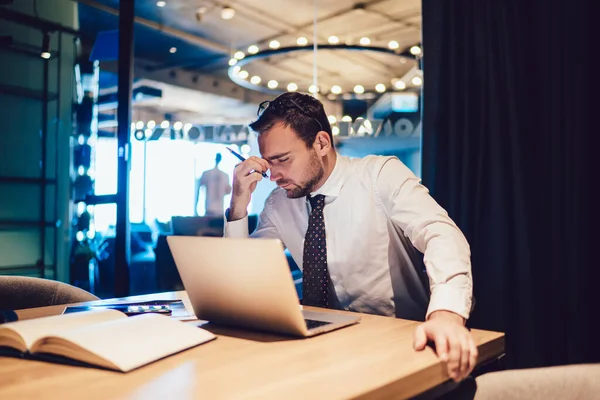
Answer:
(353, 225)
(216, 185)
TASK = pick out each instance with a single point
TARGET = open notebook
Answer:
(101, 338)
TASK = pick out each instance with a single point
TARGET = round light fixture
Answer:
(227, 13)
(359, 90)
(416, 50)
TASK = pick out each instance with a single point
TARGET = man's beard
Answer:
(315, 173)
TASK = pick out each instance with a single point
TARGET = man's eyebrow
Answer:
(276, 156)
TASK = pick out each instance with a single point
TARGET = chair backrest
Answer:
(17, 292)
(559, 382)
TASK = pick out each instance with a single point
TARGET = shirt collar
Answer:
(333, 184)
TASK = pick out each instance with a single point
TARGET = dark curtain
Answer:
(509, 150)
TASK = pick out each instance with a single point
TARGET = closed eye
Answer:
(283, 159)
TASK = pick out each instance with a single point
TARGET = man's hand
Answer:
(245, 178)
(453, 342)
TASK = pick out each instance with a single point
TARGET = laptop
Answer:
(247, 283)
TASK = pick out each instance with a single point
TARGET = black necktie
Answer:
(317, 289)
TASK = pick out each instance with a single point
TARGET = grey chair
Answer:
(580, 381)
(17, 292)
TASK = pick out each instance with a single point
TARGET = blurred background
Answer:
(197, 71)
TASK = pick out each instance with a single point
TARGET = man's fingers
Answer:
(249, 166)
(252, 177)
(472, 354)
(465, 356)
(454, 353)
(441, 346)
(420, 338)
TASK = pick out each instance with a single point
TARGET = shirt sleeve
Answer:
(447, 255)
(265, 227)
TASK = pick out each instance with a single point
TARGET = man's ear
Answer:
(322, 143)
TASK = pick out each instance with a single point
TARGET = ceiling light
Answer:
(380, 87)
(417, 81)
(292, 87)
(187, 127)
(243, 74)
(302, 41)
(232, 61)
(164, 124)
(335, 130)
(313, 89)
(393, 45)
(161, 3)
(336, 89)
(236, 69)
(173, 50)
(415, 50)
(227, 12)
(272, 84)
(400, 85)
(255, 80)
(347, 118)
(178, 125)
(274, 44)
(332, 119)
(253, 49)
(359, 89)
(239, 55)
(333, 40)
(139, 125)
(365, 41)
(150, 124)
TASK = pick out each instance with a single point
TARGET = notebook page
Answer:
(136, 341)
(33, 329)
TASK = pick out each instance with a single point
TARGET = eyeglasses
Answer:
(275, 105)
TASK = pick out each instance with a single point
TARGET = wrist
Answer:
(235, 213)
(447, 315)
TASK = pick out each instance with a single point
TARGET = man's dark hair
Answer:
(301, 112)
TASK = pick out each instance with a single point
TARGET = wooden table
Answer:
(373, 359)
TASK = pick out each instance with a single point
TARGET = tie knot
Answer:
(316, 201)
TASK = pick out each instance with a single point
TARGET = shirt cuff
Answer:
(235, 229)
(450, 298)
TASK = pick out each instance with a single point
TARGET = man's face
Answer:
(294, 167)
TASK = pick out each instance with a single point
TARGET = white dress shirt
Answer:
(375, 207)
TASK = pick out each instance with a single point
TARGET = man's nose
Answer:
(274, 175)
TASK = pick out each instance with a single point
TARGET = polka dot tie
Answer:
(317, 289)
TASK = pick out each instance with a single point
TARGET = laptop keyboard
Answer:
(311, 323)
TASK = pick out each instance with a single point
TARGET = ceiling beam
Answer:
(193, 39)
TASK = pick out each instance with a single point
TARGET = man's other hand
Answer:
(453, 342)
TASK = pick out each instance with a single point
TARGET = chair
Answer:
(17, 292)
(578, 381)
